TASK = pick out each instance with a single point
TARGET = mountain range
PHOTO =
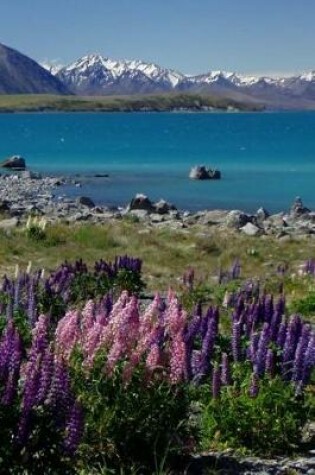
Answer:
(95, 75)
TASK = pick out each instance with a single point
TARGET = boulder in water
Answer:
(200, 172)
(15, 163)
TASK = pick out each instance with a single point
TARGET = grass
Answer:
(150, 102)
(166, 253)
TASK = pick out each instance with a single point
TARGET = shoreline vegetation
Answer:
(171, 102)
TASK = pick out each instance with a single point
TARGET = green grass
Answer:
(153, 102)
(166, 253)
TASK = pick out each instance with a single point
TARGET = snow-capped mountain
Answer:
(94, 74)
(97, 75)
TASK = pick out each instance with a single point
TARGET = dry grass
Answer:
(166, 253)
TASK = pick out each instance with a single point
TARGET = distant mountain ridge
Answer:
(96, 75)
(21, 75)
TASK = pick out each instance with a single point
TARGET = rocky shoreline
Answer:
(25, 193)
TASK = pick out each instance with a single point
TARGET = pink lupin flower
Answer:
(68, 333)
(88, 317)
(125, 333)
(108, 335)
(177, 359)
(154, 357)
(148, 327)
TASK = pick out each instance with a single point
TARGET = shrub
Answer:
(264, 416)
(142, 422)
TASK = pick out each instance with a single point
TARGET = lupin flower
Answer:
(300, 352)
(74, 428)
(207, 347)
(309, 359)
(270, 364)
(177, 359)
(236, 341)
(260, 357)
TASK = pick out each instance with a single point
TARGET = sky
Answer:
(192, 36)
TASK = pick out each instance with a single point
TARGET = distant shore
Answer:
(24, 194)
(136, 103)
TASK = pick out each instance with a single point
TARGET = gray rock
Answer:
(251, 230)
(16, 163)
(163, 207)
(86, 201)
(139, 213)
(298, 208)
(9, 223)
(141, 202)
(214, 217)
(200, 172)
(261, 215)
(236, 219)
(157, 218)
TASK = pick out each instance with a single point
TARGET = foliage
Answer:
(136, 423)
(305, 305)
(268, 423)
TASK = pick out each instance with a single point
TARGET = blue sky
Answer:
(250, 36)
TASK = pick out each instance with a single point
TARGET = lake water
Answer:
(266, 159)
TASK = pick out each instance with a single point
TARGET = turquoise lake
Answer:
(266, 159)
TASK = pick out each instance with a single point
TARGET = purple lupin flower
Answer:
(309, 359)
(10, 362)
(297, 374)
(236, 341)
(189, 336)
(289, 348)
(268, 308)
(207, 347)
(260, 359)
(253, 346)
(45, 377)
(74, 428)
(270, 363)
(281, 336)
(254, 385)
(216, 382)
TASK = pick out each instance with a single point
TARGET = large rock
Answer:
(15, 163)
(236, 219)
(141, 202)
(200, 172)
(261, 215)
(298, 208)
(163, 207)
(251, 230)
(86, 201)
